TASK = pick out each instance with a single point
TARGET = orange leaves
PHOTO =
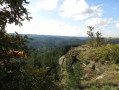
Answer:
(17, 54)
(21, 54)
(11, 51)
(13, 46)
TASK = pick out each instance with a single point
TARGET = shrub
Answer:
(21, 76)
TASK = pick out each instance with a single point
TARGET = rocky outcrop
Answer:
(62, 60)
(93, 71)
(68, 63)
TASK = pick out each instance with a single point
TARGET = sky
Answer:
(70, 17)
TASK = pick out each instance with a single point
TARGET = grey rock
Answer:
(61, 60)
(92, 65)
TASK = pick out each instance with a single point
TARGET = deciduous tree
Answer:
(12, 46)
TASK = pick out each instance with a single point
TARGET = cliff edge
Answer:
(84, 67)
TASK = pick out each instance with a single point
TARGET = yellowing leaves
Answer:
(10, 51)
(17, 54)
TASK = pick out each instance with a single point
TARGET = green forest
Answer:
(44, 62)
(44, 42)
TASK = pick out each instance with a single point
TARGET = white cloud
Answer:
(32, 9)
(47, 27)
(117, 25)
(78, 10)
(98, 22)
(47, 4)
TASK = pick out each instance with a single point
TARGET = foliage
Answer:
(50, 58)
(95, 38)
(94, 88)
(12, 46)
(91, 35)
(74, 78)
(74, 71)
(110, 53)
(105, 87)
(13, 11)
(18, 75)
(44, 42)
(21, 76)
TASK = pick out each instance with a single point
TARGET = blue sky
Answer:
(71, 17)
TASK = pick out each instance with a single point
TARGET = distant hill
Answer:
(46, 42)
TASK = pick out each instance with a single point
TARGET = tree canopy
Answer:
(13, 11)
(96, 39)
(12, 46)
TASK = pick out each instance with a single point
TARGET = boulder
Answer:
(91, 65)
(61, 60)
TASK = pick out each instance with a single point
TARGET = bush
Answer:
(21, 76)
(73, 75)
(94, 88)
(110, 53)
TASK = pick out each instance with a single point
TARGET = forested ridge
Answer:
(44, 42)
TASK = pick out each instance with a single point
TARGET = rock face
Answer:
(68, 64)
(62, 60)
(93, 71)
(92, 65)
